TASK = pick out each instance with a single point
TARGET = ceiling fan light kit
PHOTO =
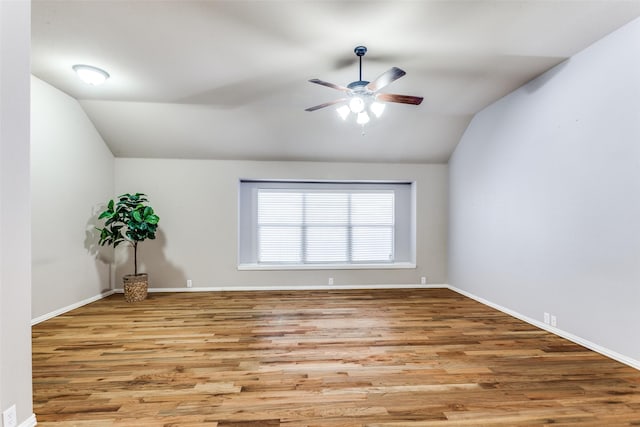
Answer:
(363, 97)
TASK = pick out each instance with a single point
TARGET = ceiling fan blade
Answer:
(386, 78)
(331, 85)
(326, 104)
(401, 99)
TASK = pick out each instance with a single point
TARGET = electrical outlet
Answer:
(9, 417)
(423, 280)
(554, 321)
(189, 283)
(546, 318)
(331, 280)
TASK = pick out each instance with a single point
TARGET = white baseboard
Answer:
(293, 288)
(70, 307)
(29, 422)
(556, 331)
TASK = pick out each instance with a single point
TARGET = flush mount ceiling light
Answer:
(363, 97)
(93, 76)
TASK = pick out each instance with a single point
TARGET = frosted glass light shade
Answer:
(363, 118)
(91, 75)
(377, 108)
(356, 104)
(344, 112)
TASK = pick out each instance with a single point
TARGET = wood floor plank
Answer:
(406, 357)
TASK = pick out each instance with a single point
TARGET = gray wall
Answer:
(197, 201)
(545, 197)
(72, 177)
(15, 256)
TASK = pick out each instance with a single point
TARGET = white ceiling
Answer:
(229, 79)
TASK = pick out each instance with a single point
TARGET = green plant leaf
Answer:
(136, 215)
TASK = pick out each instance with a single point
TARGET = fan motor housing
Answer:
(358, 86)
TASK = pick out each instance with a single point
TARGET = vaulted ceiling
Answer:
(229, 79)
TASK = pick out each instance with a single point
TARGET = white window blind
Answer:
(297, 224)
(325, 226)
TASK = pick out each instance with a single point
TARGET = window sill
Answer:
(390, 266)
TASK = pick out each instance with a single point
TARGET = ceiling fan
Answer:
(362, 95)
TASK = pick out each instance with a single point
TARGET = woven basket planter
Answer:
(135, 287)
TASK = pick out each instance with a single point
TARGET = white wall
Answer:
(197, 201)
(72, 177)
(545, 197)
(15, 256)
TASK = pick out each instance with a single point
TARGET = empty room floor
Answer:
(401, 357)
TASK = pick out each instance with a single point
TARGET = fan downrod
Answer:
(360, 84)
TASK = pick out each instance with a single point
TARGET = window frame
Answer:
(248, 228)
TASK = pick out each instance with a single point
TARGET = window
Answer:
(303, 224)
(325, 226)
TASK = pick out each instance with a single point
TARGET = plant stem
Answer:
(135, 258)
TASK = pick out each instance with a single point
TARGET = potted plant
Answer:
(130, 220)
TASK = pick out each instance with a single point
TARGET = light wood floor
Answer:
(318, 358)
